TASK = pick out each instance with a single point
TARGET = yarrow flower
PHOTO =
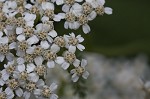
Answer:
(80, 71)
(30, 44)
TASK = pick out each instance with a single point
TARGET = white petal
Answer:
(83, 63)
(53, 96)
(92, 15)
(49, 39)
(30, 67)
(80, 39)
(73, 71)
(30, 50)
(65, 8)
(76, 63)
(2, 57)
(12, 45)
(21, 68)
(59, 2)
(29, 17)
(57, 18)
(19, 92)
(75, 77)
(53, 86)
(108, 10)
(52, 33)
(4, 40)
(60, 16)
(78, 0)
(39, 27)
(65, 65)
(33, 77)
(30, 23)
(55, 48)
(86, 28)
(66, 25)
(50, 64)
(19, 30)
(1, 33)
(1, 82)
(47, 5)
(44, 44)
(26, 95)
(72, 49)
(101, 2)
(59, 60)
(44, 19)
(80, 47)
(38, 60)
(20, 60)
(9, 92)
(85, 75)
(76, 9)
(40, 83)
(33, 40)
(28, 6)
(20, 53)
(71, 25)
(76, 25)
(10, 57)
(21, 38)
(37, 92)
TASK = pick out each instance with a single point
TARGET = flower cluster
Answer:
(29, 43)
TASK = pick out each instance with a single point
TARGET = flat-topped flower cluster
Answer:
(29, 43)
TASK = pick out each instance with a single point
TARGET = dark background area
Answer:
(124, 33)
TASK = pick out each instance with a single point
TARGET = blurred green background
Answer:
(124, 33)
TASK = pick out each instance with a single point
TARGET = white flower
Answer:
(9, 8)
(10, 35)
(27, 33)
(13, 85)
(74, 22)
(80, 71)
(48, 12)
(27, 71)
(46, 92)
(21, 73)
(10, 68)
(83, 20)
(7, 94)
(34, 72)
(5, 48)
(24, 44)
(35, 50)
(71, 22)
(43, 36)
(50, 56)
(73, 41)
(67, 4)
(99, 7)
(68, 58)
(59, 41)
(31, 87)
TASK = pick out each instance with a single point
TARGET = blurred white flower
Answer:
(46, 92)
